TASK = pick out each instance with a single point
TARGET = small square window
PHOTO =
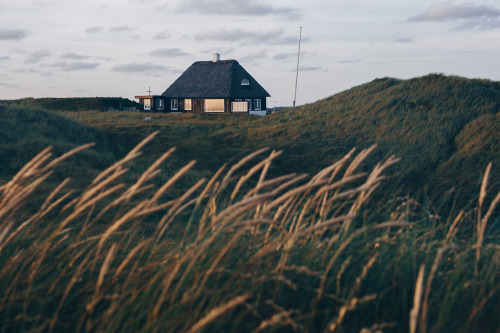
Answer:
(174, 105)
(159, 104)
(147, 104)
(257, 104)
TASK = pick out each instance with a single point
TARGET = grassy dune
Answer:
(240, 251)
(279, 225)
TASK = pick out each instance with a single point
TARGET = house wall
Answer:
(198, 105)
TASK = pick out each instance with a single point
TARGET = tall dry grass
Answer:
(239, 252)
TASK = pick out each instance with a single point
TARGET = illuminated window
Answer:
(147, 104)
(257, 104)
(159, 104)
(174, 104)
(214, 105)
(187, 104)
(239, 106)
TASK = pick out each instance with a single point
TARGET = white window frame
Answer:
(147, 104)
(245, 82)
(174, 104)
(250, 104)
(257, 104)
(188, 104)
(160, 104)
(239, 106)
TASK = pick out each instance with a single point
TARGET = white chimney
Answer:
(216, 57)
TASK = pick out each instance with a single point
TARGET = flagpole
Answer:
(297, 73)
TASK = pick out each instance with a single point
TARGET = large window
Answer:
(239, 106)
(214, 105)
(257, 104)
(160, 104)
(174, 104)
(147, 104)
(187, 104)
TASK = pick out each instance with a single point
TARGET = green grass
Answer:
(312, 254)
(228, 255)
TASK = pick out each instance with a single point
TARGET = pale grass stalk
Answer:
(67, 155)
(483, 302)
(425, 304)
(220, 255)
(333, 169)
(346, 242)
(134, 153)
(217, 312)
(324, 225)
(79, 210)
(209, 185)
(105, 267)
(117, 224)
(4, 233)
(292, 193)
(74, 279)
(349, 306)
(170, 277)
(358, 160)
(91, 192)
(161, 191)
(272, 183)
(417, 299)
(152, 170)
(22, 174)
(303, 270)
(304, 211)
(452, 231)
(238, 165)
(253, 171)
(129, 257)
(282, 318)
(341, 271)
(54, 193)
(17, 199)
(168, 218)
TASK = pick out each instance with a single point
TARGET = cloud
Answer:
(275, 37)
(162, 36)
(237, 8)
(76, 66)
(403, 40)
(16, 34)
(174, 52)
(146, 68)
(284, 56)
(121, 28)
(477, 16)
(37, 56)
(255, 55)
(74, 56)
(94, 29)
(4, 58)
(310, 69)
(350, 61)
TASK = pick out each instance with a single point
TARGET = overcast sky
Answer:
(71, 48)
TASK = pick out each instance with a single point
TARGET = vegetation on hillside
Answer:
(243, 239)
(74, 104)
(240, 251)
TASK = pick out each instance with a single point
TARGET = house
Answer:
(152, 102)
(217, 86)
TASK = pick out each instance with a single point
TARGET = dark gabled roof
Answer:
(221, 79)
